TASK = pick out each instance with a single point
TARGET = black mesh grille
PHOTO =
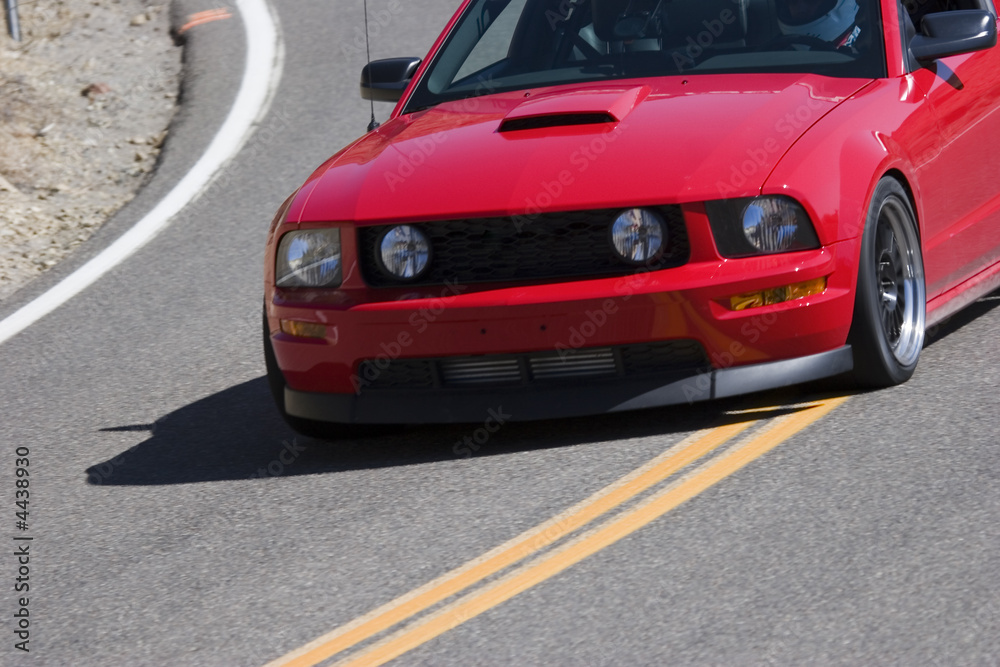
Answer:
(398, 373)
(542, 247)
(682, 357)
(663, 357)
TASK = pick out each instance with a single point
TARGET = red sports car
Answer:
(587, 206)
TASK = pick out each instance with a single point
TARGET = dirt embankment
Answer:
(87, 97)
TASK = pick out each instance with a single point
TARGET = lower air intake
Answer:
(668, 358)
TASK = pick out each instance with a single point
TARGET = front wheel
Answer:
(309, 427)
(887, 333)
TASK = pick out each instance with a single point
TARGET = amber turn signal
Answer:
(303, 329)
(769, 297)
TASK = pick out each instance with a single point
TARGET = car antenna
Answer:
(373, 125)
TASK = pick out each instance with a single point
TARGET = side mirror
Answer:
(951, 33)
(386, 80)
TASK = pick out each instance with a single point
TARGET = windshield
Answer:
(502, 45)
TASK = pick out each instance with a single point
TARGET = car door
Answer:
(961, 196)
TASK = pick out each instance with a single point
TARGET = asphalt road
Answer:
(177, 521)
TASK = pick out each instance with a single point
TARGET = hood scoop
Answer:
(555, 120)
(586, 107)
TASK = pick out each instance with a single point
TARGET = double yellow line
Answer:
(554, 561)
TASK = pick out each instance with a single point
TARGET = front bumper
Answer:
(526, 404)
(744, 351)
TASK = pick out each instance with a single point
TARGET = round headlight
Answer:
(405, 252)
(638, 235)
(772, 224)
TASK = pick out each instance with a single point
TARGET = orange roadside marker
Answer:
(204, 17)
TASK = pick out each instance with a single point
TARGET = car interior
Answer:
(628, 26)
(645, 37)
(516, 43)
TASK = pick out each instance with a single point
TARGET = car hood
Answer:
(649, 142)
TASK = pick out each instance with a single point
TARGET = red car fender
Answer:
(833, 168)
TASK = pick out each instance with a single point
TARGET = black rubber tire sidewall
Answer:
(875, 365)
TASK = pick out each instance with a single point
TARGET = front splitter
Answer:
(529, 403)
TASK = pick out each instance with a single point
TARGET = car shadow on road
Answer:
(237, 434)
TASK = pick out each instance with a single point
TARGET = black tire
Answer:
(308, 427)
(887, 333)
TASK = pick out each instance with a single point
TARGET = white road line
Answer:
(264, 60)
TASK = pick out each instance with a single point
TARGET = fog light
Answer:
(405, 252)
(770, 297)
(638, 236)
(303, 329)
